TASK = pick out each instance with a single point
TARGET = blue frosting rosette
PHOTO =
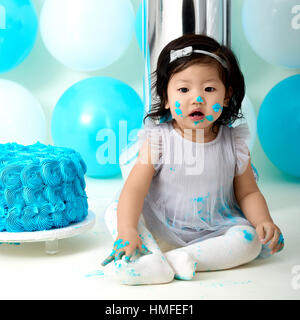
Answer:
(41, 187)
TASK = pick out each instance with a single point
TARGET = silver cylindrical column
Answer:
(166, 20)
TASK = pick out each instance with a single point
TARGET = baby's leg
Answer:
(239, 245)
(142, 269)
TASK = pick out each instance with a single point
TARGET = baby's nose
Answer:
(199, 99)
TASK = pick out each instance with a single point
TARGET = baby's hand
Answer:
(268, 231)
(126, 243)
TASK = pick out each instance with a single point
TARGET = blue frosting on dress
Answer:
(41, 187)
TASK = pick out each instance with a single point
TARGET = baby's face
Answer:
(196, 96)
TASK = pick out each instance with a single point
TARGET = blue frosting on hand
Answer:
(41, 187)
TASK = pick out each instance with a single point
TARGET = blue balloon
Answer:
(272, 29)
(278, 125)
(18, 31)
(98, 117)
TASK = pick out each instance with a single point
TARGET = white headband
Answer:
(187, 51)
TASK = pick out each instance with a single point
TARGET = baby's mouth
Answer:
(196, 115)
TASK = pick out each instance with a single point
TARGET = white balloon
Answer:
(22, 119)
(250, 119)
(87, 35)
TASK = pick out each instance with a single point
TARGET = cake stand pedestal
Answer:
(50, 237)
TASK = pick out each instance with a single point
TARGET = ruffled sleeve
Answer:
(153, 133)
(240, 139)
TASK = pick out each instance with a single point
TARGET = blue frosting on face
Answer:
(217, 107)
(209, 118)
(41, 187)
(178, 110)
(199, 99)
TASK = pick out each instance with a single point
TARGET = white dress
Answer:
(191, 197)
(190, 201)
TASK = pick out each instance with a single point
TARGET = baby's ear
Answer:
(227, 97)
(226, 102)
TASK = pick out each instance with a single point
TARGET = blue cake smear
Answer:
(41, 187)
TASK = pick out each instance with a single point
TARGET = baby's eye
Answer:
(183, 90)
(210, 89)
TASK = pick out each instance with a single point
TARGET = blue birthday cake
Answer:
(41, 187)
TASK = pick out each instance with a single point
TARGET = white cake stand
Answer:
(52, 236)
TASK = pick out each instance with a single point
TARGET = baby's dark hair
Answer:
(231, 77)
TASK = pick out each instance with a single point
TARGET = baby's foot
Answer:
(147, 269)
(183, 264)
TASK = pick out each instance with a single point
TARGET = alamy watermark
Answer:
(191, 155)
(295, 283)
(295, 22)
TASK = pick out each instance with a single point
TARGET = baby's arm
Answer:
(135, 190)
(130, 206)
(255, 209)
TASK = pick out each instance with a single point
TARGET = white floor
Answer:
(26, 272)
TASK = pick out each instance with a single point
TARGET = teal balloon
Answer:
(18, 31)
(278, 125)
(272, 28)
(98, 117)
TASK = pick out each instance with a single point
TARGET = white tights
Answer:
(239, 245)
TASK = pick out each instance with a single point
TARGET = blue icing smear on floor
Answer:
(11, 243)
(226, 283)
(95, 273)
